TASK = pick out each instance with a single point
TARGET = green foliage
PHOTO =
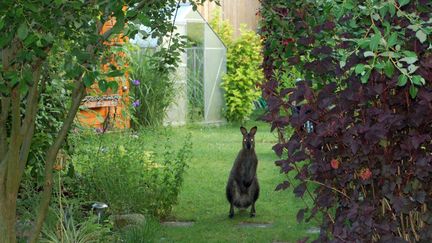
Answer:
(287, 79)
(195, 84)
(326, 39)
(223, 28)
(155, 91)
(145, 232)
(69, 31)
(63, 228)
(128, 177)
(368, 75)
(244, 73)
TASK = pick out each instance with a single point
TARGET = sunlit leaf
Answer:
(374, 41)
(403, 2)
(359, 68)
(421, 36)
(364, 79)
(22, 31)
(389, 69)
(402, 80)
(413, 91)
(392, 39)
(418, 80)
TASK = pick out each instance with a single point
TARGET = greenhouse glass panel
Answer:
(199, 97)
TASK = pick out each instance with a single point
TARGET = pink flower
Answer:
(365, 174)
(285, 42)
(334, 163)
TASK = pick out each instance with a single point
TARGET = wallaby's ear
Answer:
(243, 130)
(253, 131)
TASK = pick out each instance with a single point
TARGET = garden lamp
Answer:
(100, 209)
(296, 110)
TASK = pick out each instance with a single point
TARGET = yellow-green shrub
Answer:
(223, 28)
(244, 72)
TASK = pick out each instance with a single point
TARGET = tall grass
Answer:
(156, 89)
(195, 84)
(68, 230)
(146, 232)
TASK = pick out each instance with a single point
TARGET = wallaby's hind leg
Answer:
(255, 195)
(231, 212)
(252, 212)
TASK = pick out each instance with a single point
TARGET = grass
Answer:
(203, 200)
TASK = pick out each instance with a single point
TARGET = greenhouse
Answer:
(199, 97)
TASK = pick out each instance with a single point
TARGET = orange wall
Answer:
(94, 114)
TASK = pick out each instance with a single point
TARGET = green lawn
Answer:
(203, 201)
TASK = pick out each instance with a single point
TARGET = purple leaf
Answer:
(282, 186)
(300, 189)
(329, 25)
(278, 148)
(300, 214)
(306, 41)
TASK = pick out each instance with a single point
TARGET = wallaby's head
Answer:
(248, 138)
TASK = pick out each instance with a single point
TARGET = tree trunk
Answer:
(7, 219)
(77, 96)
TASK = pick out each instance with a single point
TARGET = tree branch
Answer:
(7, 55)
(50, 157)
(28, 127)
(32, 99)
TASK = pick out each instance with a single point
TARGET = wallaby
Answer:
(242, 189)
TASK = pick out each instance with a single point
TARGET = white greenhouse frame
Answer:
(214, 67)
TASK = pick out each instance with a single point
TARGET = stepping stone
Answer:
(313, 230)
(178, 223)
(255, 225)
(121, 221)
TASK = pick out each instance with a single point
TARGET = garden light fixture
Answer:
(100, 209)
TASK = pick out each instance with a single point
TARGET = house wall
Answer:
(236, 11)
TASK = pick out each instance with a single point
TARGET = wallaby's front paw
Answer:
(252, 215)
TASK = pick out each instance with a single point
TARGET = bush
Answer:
(223, 28)
(129, 177)
(244, 73)
(369, 154)
(152, 87)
